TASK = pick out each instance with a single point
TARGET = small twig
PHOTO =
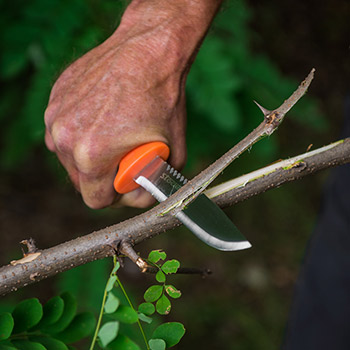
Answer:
(183, 271)
(127, 249)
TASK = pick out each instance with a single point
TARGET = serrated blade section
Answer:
(202, 216)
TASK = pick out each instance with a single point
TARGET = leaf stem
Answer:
(100, 315)
(131, 305)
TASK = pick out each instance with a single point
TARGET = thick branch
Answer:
(99, 244)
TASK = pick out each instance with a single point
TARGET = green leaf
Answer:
(50, 343)
(146, 308)
(52, 311)
(153, 293)
(163, 305)
(170, 266)
(70, 307)
(160, 277)
(125, 314)
(145, 318)
(122, 342)
(112, 303)
(172, 291)
(82, 325)
(170, 332)
(26, 314)
(110, 283)
(6, 325)
(155, 255)
(157, 344)
(108, 332)
(27, 345)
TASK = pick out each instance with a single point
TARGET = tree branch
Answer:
(272, 120)
(102, 243)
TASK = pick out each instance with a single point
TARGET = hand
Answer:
(127, 91)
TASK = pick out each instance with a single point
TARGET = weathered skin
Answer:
(125, 92)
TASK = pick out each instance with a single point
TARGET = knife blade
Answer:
(145, 166)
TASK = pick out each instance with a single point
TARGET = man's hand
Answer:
(126, 92)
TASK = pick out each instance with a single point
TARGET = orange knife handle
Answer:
(134, 161)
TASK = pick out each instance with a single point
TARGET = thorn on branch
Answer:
(31, 246)
(32, 252)
(265, 111)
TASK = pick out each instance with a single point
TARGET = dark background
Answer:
(254, 51)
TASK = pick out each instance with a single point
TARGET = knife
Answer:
(146, 166)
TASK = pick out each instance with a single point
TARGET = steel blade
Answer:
(202, 216)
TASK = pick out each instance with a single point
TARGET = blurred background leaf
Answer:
(254, 51)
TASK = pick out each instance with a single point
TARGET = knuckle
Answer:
(84, 157)
(50, 113)
(61, 137)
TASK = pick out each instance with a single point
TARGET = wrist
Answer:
(170, 30)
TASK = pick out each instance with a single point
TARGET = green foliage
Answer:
(108, 332)
(109, 335)
(170, 266)
(52, 310)
(147, 308)
(155, 255)
(6, 325)
(157, 344)
(70, 307)
(223, 82)
(79, 328)
(170, 332)
(153, 293)
(38, 39)
(31, 326)
(112, 302)
(125, 314)
(26, 315)
(122, 342)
